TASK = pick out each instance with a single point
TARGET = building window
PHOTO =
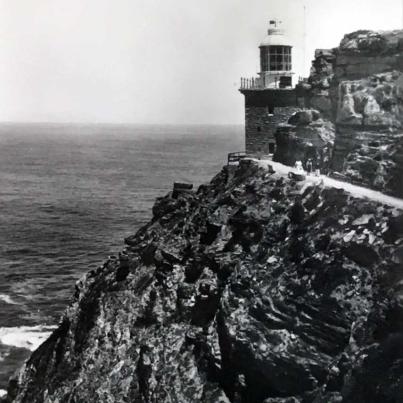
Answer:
(264, 58)
(259, 129)
(275, 58)
(279, 58)
(285, 82)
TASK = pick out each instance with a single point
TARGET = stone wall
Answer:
(261, 125)
(270, 97)
(264, 111)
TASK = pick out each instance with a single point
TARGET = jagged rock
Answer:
(210, 234)
(164, 205)
(148, 254)
(124, 267)
(181, 188)
(361, 254)
(363, 41)
(301, 142)
(322, 73)
(394, 229)
(304, 117)
(287, 313)
(373, 381)
(346, 113)
(372, 42)
(371, 101)
(170, 255)
(297, 213)
(322, 102)
(357, 87)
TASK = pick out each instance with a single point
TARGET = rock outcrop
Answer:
(306, 136)
(369, 144)
(358, 88)
(255, 288)
(364, 53)
(320, 87)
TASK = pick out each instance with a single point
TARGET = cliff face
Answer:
(369, 141)
(255, 288)
(306, 136)
(358, 87)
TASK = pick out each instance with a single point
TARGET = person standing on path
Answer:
(309, 166)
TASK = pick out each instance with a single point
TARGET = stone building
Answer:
(270, 98)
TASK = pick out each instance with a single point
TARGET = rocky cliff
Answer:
(255, 288)
(306, 136)
(358, 88)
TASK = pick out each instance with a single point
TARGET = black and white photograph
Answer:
(201, 201)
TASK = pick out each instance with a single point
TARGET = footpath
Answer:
(354, 190)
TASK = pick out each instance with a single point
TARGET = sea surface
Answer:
(69, 194)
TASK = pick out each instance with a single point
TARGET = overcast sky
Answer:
(155, 61)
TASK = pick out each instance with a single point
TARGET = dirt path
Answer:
(354, 190)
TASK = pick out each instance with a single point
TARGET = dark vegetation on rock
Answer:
(255, 288)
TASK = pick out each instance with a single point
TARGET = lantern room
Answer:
(275, 58)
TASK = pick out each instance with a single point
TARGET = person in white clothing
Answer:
(298, 166)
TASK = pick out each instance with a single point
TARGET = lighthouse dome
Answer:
(275, 37)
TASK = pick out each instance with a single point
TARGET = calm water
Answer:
(68, 197)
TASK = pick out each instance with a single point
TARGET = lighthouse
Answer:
(270, 98)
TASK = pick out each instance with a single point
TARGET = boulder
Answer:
(302, 142)
(363, 41)
(163, 206)
(346, 113)
(361, 254)
(304, 117)
(372, 42)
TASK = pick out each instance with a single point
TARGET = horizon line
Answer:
(95, 123)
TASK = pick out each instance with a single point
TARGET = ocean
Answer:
(69, 195)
